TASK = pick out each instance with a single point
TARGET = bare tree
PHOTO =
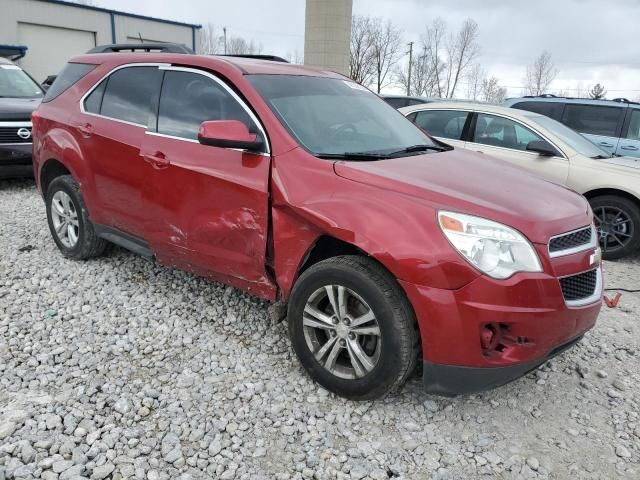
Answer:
(597, 92)
(386, 45)
(492, 92)
(210, 41)
(540, 74)
(239, 46)
(452, 56)
(424, 81)
(295, 57)
(462, 51)
(361, 62)
(475, 78)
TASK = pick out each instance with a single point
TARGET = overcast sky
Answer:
(590, 40)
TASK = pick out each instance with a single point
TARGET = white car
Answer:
(545, 146)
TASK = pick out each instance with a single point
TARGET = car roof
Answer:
(522, 115)
(582, 101)
(247, 66)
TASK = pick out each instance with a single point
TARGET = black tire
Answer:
(618, 240)
(88, 244)
(399, 337)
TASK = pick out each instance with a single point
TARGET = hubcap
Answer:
(349, 347)
(615, 228)
(64, 217)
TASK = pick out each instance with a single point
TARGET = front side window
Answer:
(573, 139)
(442, 123)
(15, 83)
(502, 132)
(332, 116)
(634, 126)
(188, 99)
(593, 119)
(130, 94)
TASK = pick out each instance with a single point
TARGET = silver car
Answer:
(549, 148)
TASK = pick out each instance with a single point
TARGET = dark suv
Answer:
(19, 96)
(613, 125)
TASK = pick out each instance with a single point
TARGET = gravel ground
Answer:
(118, 368)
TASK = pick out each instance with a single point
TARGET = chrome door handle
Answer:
(629, 147)
(158, 160)
(85, 130)
(605, 144)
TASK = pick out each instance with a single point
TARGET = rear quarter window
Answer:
(70, 75)
(593, 119)
(548, 109)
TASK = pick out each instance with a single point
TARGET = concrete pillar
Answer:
(327, 34)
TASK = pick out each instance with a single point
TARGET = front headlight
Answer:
(493, 248)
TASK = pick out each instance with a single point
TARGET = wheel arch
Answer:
(599, 192)
(50, 170)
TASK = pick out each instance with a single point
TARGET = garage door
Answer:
(51, 47)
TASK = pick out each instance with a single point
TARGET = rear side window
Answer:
(442, 123)
(131, 93)
(70, 74)
(188, 99)
(593, 119)
(548, 109)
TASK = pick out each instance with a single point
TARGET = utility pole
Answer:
(224, 30)
(410, 65)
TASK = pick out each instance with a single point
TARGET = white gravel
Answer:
(119, 368)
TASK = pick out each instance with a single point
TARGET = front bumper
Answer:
(451, 380)
(15, 160)
(529, 311)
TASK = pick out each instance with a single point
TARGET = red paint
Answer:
(250, 220)
(612, 302)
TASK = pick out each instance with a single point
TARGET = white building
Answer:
(49, 32)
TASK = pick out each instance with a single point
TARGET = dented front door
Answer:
(209, 205)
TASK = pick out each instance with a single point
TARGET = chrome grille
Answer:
(572, 242)
(10, 135)
(579, 287)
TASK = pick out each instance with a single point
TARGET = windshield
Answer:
(572, 138)
(15, 83)
(330, 116)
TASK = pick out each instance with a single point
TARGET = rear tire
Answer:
(361, 360)
(69, 221)
(618, 222)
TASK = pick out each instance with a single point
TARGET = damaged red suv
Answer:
(387, 247)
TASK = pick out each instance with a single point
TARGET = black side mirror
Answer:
(543, 148)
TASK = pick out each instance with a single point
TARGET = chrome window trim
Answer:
(581, 248)
(112, 71)
(16, 124)
(233, 94)
(597, 293)
(191, 140)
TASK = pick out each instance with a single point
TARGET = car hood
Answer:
(18, 108)
(473, 183)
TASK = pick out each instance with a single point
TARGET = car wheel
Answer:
(617, 220)
(69, 221)
(353, 328)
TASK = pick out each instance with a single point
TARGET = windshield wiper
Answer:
(358, 156)
(418, 148)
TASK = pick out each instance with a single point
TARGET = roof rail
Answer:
(141, 47)
(272, 58)
(548, 95)
(623, 100)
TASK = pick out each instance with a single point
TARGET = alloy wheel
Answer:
(65, 219)
(342, 332)
(615, 227)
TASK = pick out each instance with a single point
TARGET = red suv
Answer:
(301, 186)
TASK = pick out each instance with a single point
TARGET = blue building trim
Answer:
(124, 14)
(113, 27)
(15, 52)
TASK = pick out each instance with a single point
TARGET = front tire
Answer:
(353, 328)
(617, 220)
(69, 221)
